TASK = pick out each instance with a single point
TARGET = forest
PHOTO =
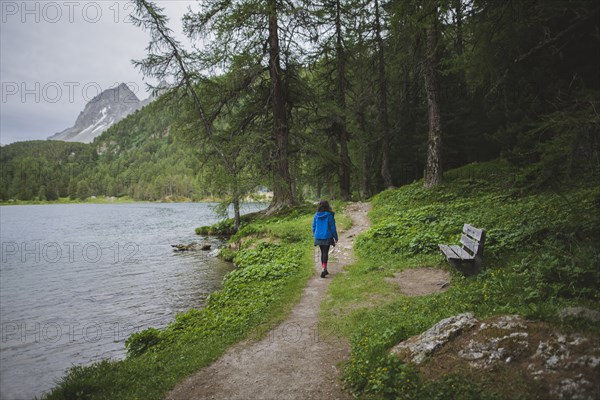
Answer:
(340, 99)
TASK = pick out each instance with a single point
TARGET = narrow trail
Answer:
(293, 360)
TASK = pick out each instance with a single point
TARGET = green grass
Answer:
(272, 267)
(541, 255)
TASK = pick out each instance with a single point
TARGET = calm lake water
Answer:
(77, 279)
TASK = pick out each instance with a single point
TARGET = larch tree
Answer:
(341, 126)
(433, 166)
(201, 102)
(331, 19)
(386, 174)
(253, 30)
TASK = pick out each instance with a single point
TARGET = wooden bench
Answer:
(468, 257)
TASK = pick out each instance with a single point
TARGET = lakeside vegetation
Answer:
(272, 266)
(122, 200)
(68, 200)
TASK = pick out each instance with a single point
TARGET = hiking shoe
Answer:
(324, 273)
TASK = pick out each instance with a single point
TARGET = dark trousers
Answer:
(324, 253)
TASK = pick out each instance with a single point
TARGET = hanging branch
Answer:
(149, 17)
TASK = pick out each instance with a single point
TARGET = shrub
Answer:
(139, 342)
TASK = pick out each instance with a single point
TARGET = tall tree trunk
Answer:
(346, 165)
(236, 213)
(282, 185)
(366, 154)
(433, 167)
(340, 125)
(383, 112)
(235, 198)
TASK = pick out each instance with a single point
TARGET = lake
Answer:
(77, 279)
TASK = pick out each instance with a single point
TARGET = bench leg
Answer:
(471, 268)
(455, 263)
(468, 268)
(478, 264)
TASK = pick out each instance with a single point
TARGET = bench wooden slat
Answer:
(475, 233)
(465, 255)
(447, 250)
(470, 244)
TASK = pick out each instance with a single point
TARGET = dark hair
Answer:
(324, 206)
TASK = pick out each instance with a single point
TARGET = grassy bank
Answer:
(541, 255)
(114, 200)
(273, 265)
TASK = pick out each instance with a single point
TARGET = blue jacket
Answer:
(324, 226)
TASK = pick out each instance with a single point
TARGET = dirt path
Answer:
(421, 281)
(294, 360)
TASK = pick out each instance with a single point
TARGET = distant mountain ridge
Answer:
(103, 111)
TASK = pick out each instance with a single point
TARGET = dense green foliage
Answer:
(516, 79)
(43, 170)
(140, 158)
(541, 255)
(269, 276)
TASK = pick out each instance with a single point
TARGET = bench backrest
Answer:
(473, 239)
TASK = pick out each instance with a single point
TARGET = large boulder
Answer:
(418, 348)
(559, 365)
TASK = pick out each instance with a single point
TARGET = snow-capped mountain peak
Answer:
(101, 113)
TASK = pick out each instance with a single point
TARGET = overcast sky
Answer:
(55, 56)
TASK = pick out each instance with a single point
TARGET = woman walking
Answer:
(324, 232)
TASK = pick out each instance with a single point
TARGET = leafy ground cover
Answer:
(541, 255)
